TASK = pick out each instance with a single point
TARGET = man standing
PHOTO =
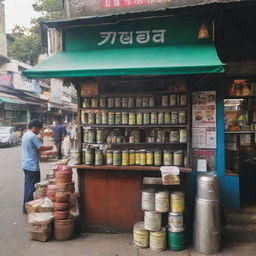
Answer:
(31, 147)
(59, 133)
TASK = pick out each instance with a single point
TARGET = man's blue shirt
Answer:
(30, 151)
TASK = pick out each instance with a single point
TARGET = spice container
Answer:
(91, 118)
(118, 102)
(104, 118)
(109, 157)
(143, 157)
(157, 240)
(182, 117)
(160, 118)
(95, 103)
(132, 157)
(117, 158)
(86, 103)
(157, 158)
(148, 200)
(139, 118)
(168, 158)
(153, 118)
(103, 102)
(91, 136)
(131, 102)
(138, 102)
(99, 157)
(111, 102)
(111, 118)
(149, 158)
(174, 136)
(100, 136)
(153, 220)
(164, 101)
(151, 102)
(173, 100)
(132, 118)
(183, 100)
(177, 202)
(118, 118)
(140, 235)
(137, 157)
(86, 135)
(125, 102)
(146, 118)
(145, 102)
(167, 118)
(160, 136)
(183, 136)
(89, 157)
(84, 117)
(178, 158)
(125, 157)
(98, 118)
(125, 118)
(174, 118)
(162, 201)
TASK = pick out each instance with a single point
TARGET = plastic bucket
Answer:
(176, 241)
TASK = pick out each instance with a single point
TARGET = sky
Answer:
(18, 12)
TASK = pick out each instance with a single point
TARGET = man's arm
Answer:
(45, 148)
(40, 145)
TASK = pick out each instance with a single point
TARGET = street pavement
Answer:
(14, 239)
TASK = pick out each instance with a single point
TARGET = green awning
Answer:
(165, 60)
(10, 101)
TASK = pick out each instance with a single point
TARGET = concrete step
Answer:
(240, 233)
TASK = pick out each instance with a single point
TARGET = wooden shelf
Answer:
(136, 126)
(239, 97)
(134, 109)
(239, 132)
(125, 168)
(138, 143)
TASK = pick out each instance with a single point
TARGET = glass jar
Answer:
(167, 118)
(183, 136)
(118, 102)
(160, 118)
(182, 117)
(183, 100)
(85, 136)
(99, 157)
(91, 136)
(164, 101)
(98, 118)
(91, 118)
(111, 102)
(146, 118)
(157, 158)
(117, 159)
(131, 102)
(149, 158)
(84, 117)
(125, 157)
(151, 102)
(174, 118)
(118, 118)
(104, 118)
(168, 158)
(173, 100)
(132, 157)
(89, 157)
(145, 102)
(178, 158)
(125, 102)
(95, 103)
(174, 136)
(87, 102)
(138, 102)
(132, 118)
(139, 118)
(125, 118)
(111, 118)
(103, 102)
(109, 157)
(137, 157)
(153, 118)
(143, 157)
(100, 136)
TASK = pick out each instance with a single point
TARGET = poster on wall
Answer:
(209, 155)
(204, 119)
(129, 3)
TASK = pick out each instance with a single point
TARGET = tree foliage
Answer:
(27, 46)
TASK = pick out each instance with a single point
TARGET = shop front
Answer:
(144, 103)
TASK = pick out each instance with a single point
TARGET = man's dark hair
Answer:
(35, 123)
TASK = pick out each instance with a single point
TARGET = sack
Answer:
(40, 233)
(39, 205)
(43, 218)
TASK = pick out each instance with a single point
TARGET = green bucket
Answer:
(176, 241)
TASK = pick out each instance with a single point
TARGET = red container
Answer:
(62, 187)
(63, 177)
(61, 206)
(61, 215)
(62, 197)
(71, 187)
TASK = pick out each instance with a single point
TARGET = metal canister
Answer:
(174, 136)
(162, 201)
(173, 100)
(157, 240)
(98, 118)
(118, 102)
(84, 117)
(104, 118)
(132, 157)
(164, 101)
(151, 102)
(111, 118)
(157, 158)
(153, 118)
(132, 118)
(109, 157)
(183, 136)
(148, 200)
(160, 136)
(145, 102)
(175, 222)
(160, 118)
(118, 118)
(138, 102)
(137, 157)
(168, 158)
(91, 136)
(152, 220)
(99, 136)
(177, 200)
(183, 100)
(95, 102)
(85, 136)
(176, 240)
(125, 118)
(142, 157)
(91, 118)
(98, 157)
(103, 102)
(139, 118)
(182, 117)
(178, 158)
(76, 158)
(87, 102)
(167, 118)
(117, 158)
(111, 102)
(125, 157)
(146, 118)
(174, 118)
(131, 102)
(140, 235)
(149, 158)
(125, 102)
(89, 156)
